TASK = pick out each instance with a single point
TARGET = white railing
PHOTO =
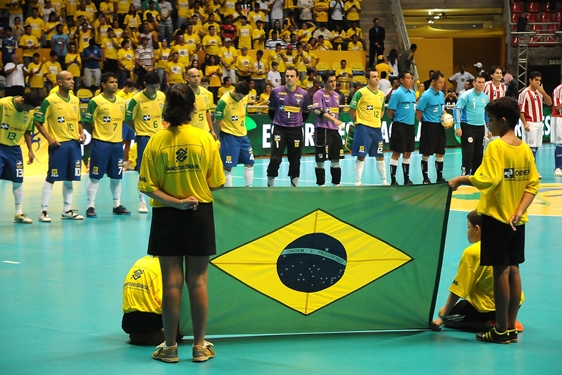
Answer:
(401, 30)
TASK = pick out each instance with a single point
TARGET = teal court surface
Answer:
(61, 291)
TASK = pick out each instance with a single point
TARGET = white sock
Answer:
(405, 161)
(46, 195)
(294, 181)
(168, 347)
(17, 188)
(67, 192)
(248, 176)
(93, 186)
(381, 167)
(115, 187)
(271, 181)
(141, 198)
(228, 182)
(359, 165)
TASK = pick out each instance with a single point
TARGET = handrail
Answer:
(401, 29)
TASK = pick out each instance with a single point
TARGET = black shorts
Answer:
(175, 232)
(463, 307)
(329, 145)
(432, 139)
(284, 137)
(141, 322)
(403, 138)
(501, 245)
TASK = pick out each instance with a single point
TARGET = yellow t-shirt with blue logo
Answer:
(182, 161)
(369, 106)
(142, 289)
(107, 116)
(146, 113)
(60, 116)
(232, 114)
(13, 123)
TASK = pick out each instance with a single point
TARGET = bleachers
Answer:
(542, 17)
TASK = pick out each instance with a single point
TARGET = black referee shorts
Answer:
(403, 138)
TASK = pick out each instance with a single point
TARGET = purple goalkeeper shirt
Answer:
(288, 106)
(329, 103)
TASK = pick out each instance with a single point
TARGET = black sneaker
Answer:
(91, 213)
(427, 181)
(408, 182)
(494, 336)
(121, 210)
(441, 180)
(394, 184)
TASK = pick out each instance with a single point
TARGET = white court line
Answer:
(10, 262)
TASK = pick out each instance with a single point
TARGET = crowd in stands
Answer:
(131, 37)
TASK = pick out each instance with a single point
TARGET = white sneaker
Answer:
(44, 217)
(142, 208)
(71, 215)
(385, 182)
(558, 172)
(22, 219)
(540, 176)
(357, 183)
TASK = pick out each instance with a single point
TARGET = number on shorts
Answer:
(19, 172)
(155, 124)
(77, 172)
(380, 148)
(120, 170)
(11, 136)
(70, 127)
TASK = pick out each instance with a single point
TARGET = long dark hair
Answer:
(392, 56)
(179, 106)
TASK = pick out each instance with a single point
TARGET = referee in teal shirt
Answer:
(402, 138)
(433, 139)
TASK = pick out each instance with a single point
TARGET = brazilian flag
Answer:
(324, 260)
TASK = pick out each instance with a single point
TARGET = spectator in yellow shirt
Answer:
(37, 25)
(125, 60)
(50, 70)
(323, 45)
(29, 44)
(175, 71)
(212, 43)
(228, 56)
(36, 79)
(73, 63)
(258, 36)
(244, 66)
(226, 86)
(355, 44)
(110, 46)
(244, 33)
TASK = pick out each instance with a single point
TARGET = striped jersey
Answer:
(494, 92)
(556, 101)
(530, 103)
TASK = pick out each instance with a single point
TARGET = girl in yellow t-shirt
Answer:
(214, 72)
(74, 64)
(264, 98)
(50, 27)
(162, 55)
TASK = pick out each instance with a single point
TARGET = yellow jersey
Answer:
(161, 55)
(223, 90)
(353, 14)
(107, 9)
(244, 34)
(123, 6)
(60, 116)
(232, 114)
(214, 80)
(183, 8)
(182, 161)
(274, 56)
(83, 13)
(142, 289)
(37, 25)
(506, 173)
(84, 39)
(37, 80)
(183, 52)
(244, 62)
(107, 117)
(256, 35)
(369, 106)
(175, 71)
(127, 58)
(202, 106)
(29, 41)
(192, 40)
(109, 49)
(146, 113)
(51, 69)
(355, 46)
(73, 66)
(321, 16)
(212, 44)
(13, 123)
(71, 7)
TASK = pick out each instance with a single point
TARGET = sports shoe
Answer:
(385, 182)
(22, 219)
(540, 176)
(44, 217)
(408, 182)
(71, 215)
(394, 183)
(427, 181)
(121, 210)
(357, 183)
(558, 172)
(494, 336)
(203, 353)
(440, 180)
(91, 213)
(142, 208)
(513, 335)
(169, 355)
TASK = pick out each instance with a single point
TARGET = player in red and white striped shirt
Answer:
(556, 129)
(530, 102)
(495, 88)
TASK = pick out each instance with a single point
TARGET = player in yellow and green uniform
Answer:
(58, 121)
(231, 112)
(16, 124)
(144, 116)
(106, 113)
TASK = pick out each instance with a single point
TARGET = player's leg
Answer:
(478, 148)
(377, 150)
(465, 317)
(11, 169)
(99, 159)
(556, 139)
(246, 157)
(320, 154)
(539, 132)
(425, 140)
(440, 152)
(56, 172)
(73, 155)
(277, 148)
(397, 149)
(229, 154)
(466, 147)
(115, 173)
(359, 148)
(141, 142)
(335, 154)
(294, 152)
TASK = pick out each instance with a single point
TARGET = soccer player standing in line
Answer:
(326, 106)
(366, 110)
(288, 109)
(433, 139)
(531, 101)
(144, 117)
(202, 117)
(235, 146)
(556, 129)
(470, 121)
(60, 113)
(16, 117)
(106, 113)
(402, 113)
(495, 89)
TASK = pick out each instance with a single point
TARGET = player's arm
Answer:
(353, 106)
(81, 135)
(419, 109)
(88, 117)
(547, 99)
(272, 105)
(131, 113)
(444, 311)
(219, 115)
(461, 103)
(305, 107)
(39, 124)
(210, 122)
(392, 105)
(524, 120)
(28, 143)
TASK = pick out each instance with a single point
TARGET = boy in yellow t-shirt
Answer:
(50, 70)
(35, 77)
(508, 180)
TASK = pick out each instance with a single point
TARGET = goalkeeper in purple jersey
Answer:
(329, 145)
(288, 109)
